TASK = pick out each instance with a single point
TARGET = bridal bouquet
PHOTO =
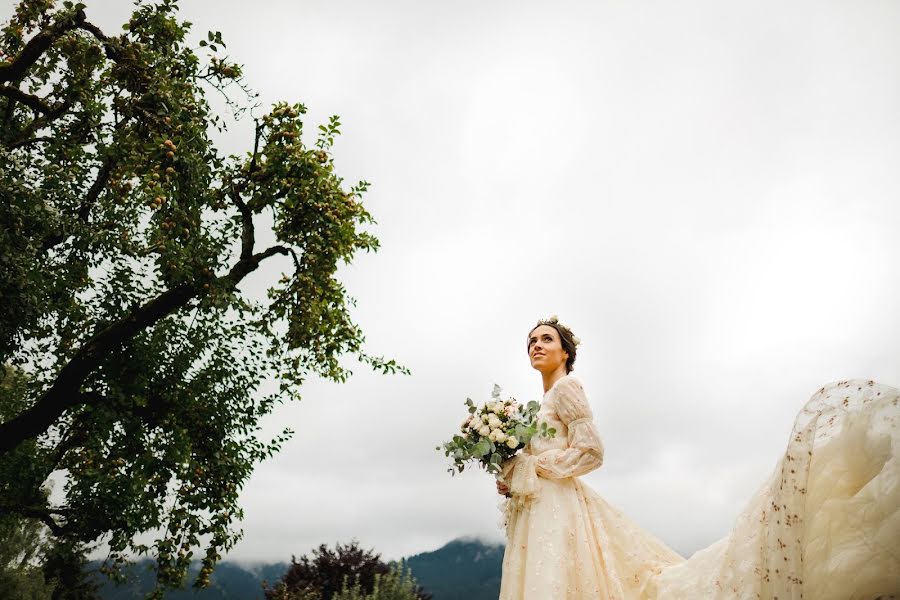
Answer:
(494, 432)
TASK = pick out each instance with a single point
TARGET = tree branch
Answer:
(45, 119)
(95, 189)
(256, 137)
(65, 392)
(37, 45)
(95, 31)
(84, 209)
(32, 102)
(278, 249)
(248, 234)
(36, 512)
(110, 48)
(246, 266)
(31, 140)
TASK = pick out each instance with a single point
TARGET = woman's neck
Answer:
(553, 376)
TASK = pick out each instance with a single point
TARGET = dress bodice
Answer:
(576, 448)
(548, 414)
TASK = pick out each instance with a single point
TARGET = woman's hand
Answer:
(506, 470)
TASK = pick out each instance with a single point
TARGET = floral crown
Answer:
(554, 321)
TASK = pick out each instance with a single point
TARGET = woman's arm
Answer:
(585, 450)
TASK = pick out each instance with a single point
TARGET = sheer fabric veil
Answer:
(826, 524)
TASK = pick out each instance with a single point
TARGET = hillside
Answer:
(463, 569)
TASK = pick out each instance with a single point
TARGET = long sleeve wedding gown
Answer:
(824, 526)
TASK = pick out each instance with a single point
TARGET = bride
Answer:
(824, 526)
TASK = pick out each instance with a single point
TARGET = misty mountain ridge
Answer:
(466, 568)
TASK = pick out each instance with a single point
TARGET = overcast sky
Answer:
(707, 192)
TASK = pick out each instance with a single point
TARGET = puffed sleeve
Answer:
(585, 450)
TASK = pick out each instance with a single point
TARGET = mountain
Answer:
(463, 569)
(229, 581)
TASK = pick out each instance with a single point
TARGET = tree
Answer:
(347, 571)
(65, 565)
(21, 538)
(397, 584)
(20, 548)
(126, 238)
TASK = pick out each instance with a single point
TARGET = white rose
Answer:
(485, 430)
(494, 421)
(512, 441)
(484, 418)
(500, 436)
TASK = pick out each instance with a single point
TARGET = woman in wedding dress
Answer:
(824, 526)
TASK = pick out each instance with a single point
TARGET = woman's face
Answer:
(545, 349)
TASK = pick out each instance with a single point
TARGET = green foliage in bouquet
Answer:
(493, 433)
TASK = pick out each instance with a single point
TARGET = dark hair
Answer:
(566, 338)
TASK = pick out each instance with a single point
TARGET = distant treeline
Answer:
(463, 569)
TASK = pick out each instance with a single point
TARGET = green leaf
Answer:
(482, 448)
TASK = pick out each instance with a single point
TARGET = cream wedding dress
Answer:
(824, 526)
